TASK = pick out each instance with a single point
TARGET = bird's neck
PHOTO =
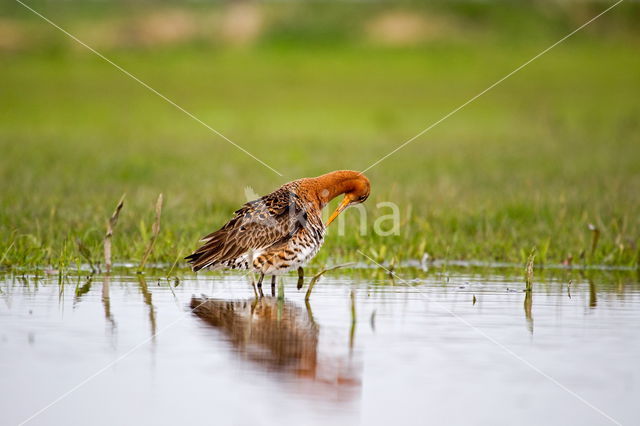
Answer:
(325, 188)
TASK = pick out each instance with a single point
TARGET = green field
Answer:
(532, 163)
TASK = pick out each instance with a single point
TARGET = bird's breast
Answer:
(295, 252)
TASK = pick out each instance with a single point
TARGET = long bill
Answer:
(343, 205)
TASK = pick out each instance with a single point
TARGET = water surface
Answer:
(455, 348)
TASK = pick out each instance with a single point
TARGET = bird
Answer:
(280, 231)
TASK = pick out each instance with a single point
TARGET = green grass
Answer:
(530, 164)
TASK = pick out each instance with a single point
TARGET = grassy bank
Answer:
(530, 164)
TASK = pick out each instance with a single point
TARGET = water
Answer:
(361, 352)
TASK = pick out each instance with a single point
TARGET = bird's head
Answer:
(354, 185)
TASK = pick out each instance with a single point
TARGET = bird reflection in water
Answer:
(279, 336)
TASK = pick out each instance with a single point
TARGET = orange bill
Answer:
(343, 205)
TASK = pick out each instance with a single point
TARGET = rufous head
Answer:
(354, 185)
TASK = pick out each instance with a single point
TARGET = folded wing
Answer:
(256, 226)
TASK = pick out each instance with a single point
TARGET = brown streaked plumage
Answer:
(282, 230)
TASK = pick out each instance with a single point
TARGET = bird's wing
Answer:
(256, 225)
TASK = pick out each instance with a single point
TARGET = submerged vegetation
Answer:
(548, 159)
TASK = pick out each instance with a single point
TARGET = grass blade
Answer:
(316, 277)
(155, 230)
(111, 223)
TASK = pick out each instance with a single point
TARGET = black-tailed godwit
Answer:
(281, 231)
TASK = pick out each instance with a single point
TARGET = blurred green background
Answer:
(314, 87)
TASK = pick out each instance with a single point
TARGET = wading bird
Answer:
(281, 231)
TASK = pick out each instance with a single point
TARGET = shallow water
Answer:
(127, 351)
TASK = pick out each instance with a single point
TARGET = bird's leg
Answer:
(300, 277)
(260, 284)
(273, 285)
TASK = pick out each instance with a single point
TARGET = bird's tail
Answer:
(194, 260)
(211, 252)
